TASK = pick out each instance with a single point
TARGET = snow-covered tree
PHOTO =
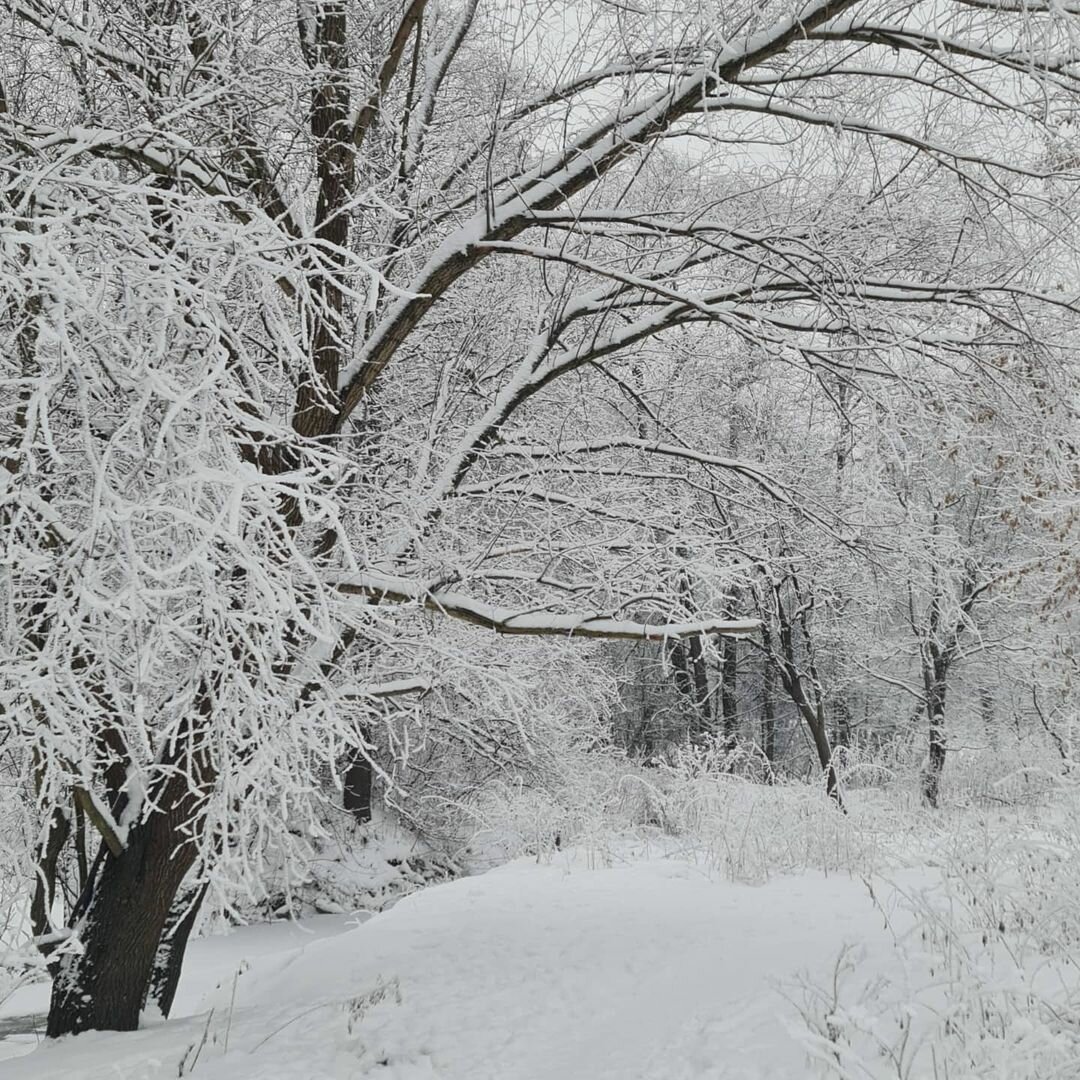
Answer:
(305, 312)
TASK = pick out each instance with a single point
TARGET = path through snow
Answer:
(647, 971)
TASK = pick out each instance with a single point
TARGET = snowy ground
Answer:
(209, 961)
(641, 971)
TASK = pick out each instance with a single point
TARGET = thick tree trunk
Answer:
(939, 650)
(124, 908)
(119, 919)
(316, 406)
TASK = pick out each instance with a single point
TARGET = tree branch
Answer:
(101, 819)
(533, 623)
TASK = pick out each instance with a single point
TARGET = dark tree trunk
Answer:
(842, 735)
(700, 699)
(812, 712)
(816, 724)
(768, 712)
(45, 886)
(939, 649)
(986, 709)
(120, 918)
(131, 889)
(935, 709)
(690, 667)
(357, 784)
(316, 408)
(729, 702)
(692, 682)
(169, 960)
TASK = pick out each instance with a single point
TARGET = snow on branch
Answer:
(166, 156)
(393, 688)
(1041, 62)
(743, 468)
(535, 622)
(65, 32)
(558, 177)
(99, 816)
(1026, 7)
(772, 106)
(163, 155)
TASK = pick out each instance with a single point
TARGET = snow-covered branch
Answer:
(556, 179)
(98, 815)
(533, 623)
(742, 468)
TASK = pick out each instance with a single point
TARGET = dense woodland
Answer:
(400, 398)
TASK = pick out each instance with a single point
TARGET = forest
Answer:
(591, 487)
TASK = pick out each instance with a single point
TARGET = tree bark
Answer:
(768, 713)
(812, 712)
(692, 682)
(729, 702)
(936, 679)
(45, 886)
(986, 710)
(691, 669)
(169, 960)
(939, 649)
(122, 913)
(316, 407)
(842, 734)
(357, 788)
(119, 919)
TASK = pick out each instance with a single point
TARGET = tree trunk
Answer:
(119, 919)
(935, 708)
(815, 721)
(124, 909)
(357, 788)
(699, 673)
(729, 702)
(316, 412)
(691, 669)
(986, 709)
(692, 682)
(45, 886)
(171, 948)
(842, 736)
(812, 712)
(816, 724)
(938, 652)
(768, 713)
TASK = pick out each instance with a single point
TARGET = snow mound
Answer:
(529, 972)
